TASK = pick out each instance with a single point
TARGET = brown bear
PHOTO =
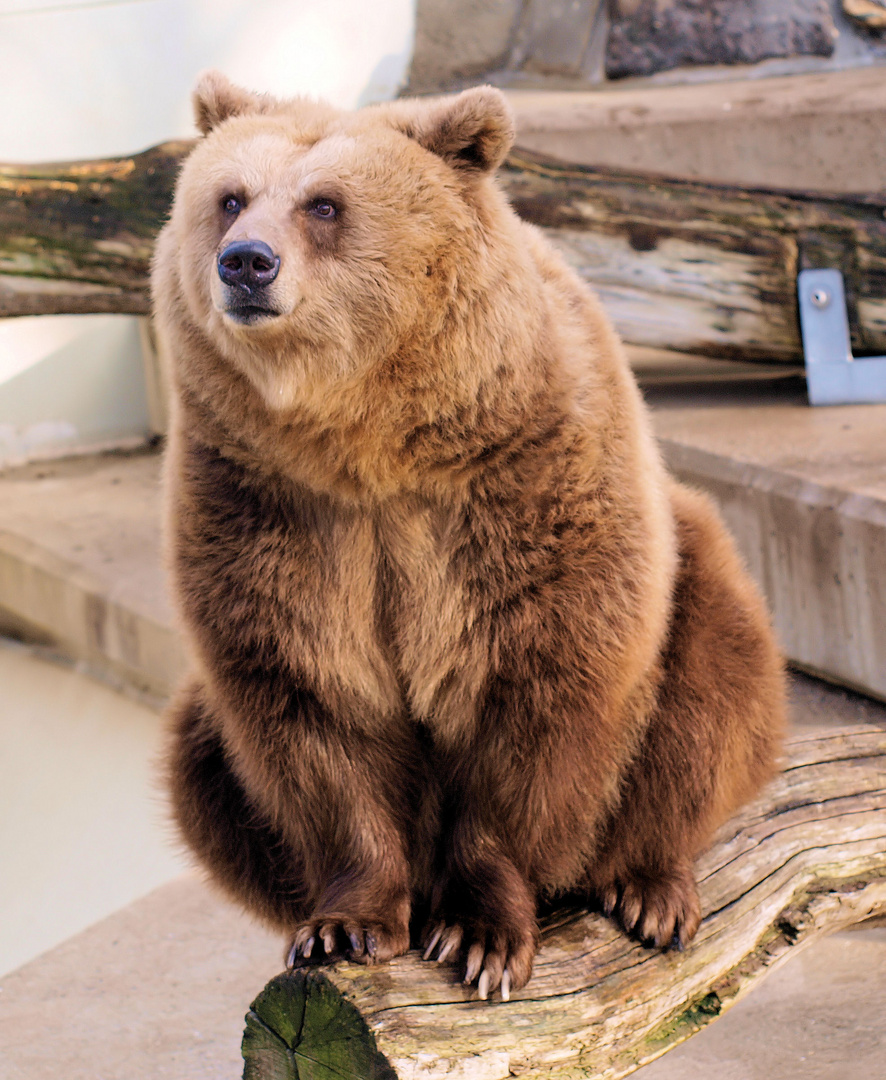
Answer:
(459, 645)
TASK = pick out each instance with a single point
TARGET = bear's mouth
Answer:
(248, 314)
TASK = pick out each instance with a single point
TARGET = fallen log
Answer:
(807, 858)
(681, 265)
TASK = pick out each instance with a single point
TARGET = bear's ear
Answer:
(216, 98)
(472, 131)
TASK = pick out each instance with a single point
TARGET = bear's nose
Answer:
(248, 264)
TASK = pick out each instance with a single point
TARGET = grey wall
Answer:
(583, 43)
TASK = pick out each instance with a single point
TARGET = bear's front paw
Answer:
(334, 936)
(661, 910)
(493, 957)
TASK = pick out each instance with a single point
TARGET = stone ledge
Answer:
(80, 567)
(816, 132)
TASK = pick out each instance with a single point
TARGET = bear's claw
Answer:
(435, 936)
(661, 911)
(494, 961)
(324, 939)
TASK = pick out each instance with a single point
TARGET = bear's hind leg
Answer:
(711, 743)
(244, 854)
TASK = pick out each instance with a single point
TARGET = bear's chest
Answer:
(377, 608)
(360, 604)
(429, 611)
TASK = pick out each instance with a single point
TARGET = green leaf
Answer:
(300, 1027)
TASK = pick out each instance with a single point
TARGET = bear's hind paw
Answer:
(661, 911)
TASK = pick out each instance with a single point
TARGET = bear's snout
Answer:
(248, 265)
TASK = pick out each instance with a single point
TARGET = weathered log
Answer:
(807, 858)
(688, 266)
(702, 268)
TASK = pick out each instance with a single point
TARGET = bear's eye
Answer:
(231, 205)
(323, 208)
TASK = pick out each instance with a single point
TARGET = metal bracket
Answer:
(833, 375)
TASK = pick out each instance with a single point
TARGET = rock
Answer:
(870, 13)
(554, 35)
(460, 40)
(654, 35)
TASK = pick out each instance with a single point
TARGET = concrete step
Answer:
(813, 132)
(803, 490)
(80, 566)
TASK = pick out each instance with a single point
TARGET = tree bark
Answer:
(693, 267)
(806, 858)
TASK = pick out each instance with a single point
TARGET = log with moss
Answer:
(680, 265)
(78, 237)
(807, 858)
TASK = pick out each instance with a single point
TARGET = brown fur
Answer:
(459, 643)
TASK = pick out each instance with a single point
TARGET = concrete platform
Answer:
(84, 825)
(160, 988)
(803, 490)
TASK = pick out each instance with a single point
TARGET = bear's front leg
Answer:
(355, 927)
(527, 789)
(338, 783)
(485, 911)
(360, 863)
(354, 841)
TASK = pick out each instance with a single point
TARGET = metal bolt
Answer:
(821, 298)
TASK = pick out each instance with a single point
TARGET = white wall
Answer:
(99, 78)
(88, 78)
(70, 384)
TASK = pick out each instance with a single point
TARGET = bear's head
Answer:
(312, 245)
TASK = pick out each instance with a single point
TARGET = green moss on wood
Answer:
(687, 1022)
(300, 1027)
